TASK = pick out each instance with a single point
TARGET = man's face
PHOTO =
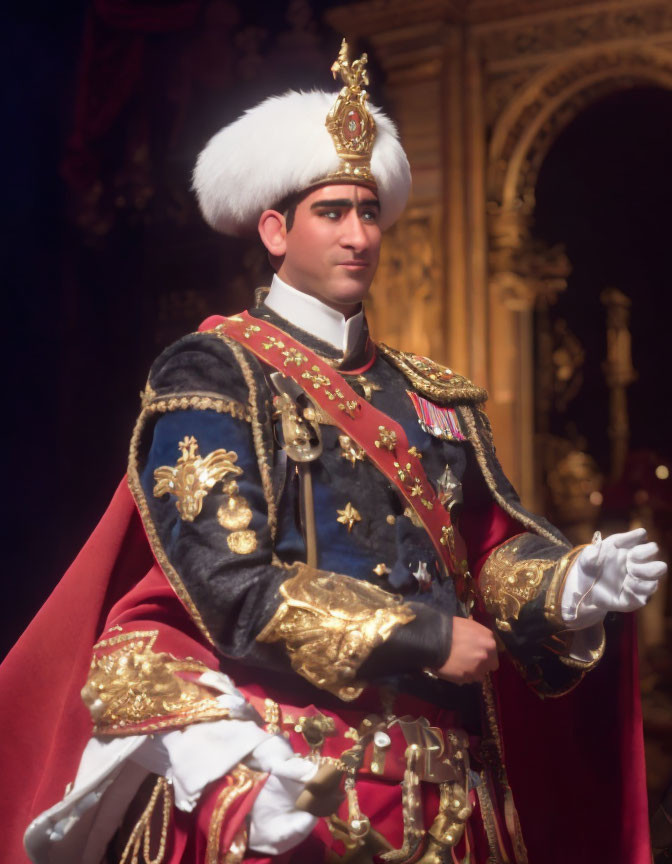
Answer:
(332, 248)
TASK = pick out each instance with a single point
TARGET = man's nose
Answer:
(354, 235)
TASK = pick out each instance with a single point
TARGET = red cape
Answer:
(576, 764)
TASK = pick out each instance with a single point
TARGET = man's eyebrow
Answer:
(345, 202)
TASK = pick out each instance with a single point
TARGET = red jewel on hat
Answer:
(352, 126)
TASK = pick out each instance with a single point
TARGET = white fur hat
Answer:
(281, 147)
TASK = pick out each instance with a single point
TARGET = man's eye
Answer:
(369, 216)
(330, 214)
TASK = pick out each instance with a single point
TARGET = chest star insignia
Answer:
(348, 516)
(193, 476)
(450, 488)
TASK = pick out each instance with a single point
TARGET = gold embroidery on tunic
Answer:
(507, 583)
(235, 514)
(202, 401)
(330, 623)
(242, 542)
(262, 452)
(350, 450)
(368, 387)
(133, 686)
(193, 476)
(387, 439)
(154, 404)
(432, 380)
(348, 516)
(409, 513)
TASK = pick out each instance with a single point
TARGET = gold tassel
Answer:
(141, 835)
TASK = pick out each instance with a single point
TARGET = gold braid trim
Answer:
(141, 835)
(257, 433)
(152, 535)
(468, 415)
(594, 654)
(496, 763)
(330, 623)
(489, 820)
(241, 780)
(552, 606)
(131, 689)
(432, 380)
(197, 401)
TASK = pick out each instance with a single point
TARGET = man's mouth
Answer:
(354, 265)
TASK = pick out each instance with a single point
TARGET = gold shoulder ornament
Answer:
(432, 380)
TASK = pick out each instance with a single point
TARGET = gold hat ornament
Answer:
(349, 122)
(284, 146)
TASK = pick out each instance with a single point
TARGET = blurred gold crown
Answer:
(349, 122)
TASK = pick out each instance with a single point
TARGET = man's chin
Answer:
(349, 292)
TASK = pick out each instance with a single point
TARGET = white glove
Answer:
(617, 574)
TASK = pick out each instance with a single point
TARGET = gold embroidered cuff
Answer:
(552, 606)
(132, 690)
(330, 624)
(509, 581)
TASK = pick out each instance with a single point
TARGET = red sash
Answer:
(382, 438)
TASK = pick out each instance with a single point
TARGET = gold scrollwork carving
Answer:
(193, 476)
(508, 583)
(132, 687)
(330, 623)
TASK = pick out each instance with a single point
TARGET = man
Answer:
(328, 520)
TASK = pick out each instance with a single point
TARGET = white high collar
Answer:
(314, 316)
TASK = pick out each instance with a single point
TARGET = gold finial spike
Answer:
(353, 76)
(349, 122)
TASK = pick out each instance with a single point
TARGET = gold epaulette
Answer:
(432, 380)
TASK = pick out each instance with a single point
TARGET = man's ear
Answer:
(273, 232)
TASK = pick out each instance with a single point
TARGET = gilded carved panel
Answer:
(406, 305)
(510, 40)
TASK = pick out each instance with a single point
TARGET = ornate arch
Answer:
(526, 129)
(523, 272)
